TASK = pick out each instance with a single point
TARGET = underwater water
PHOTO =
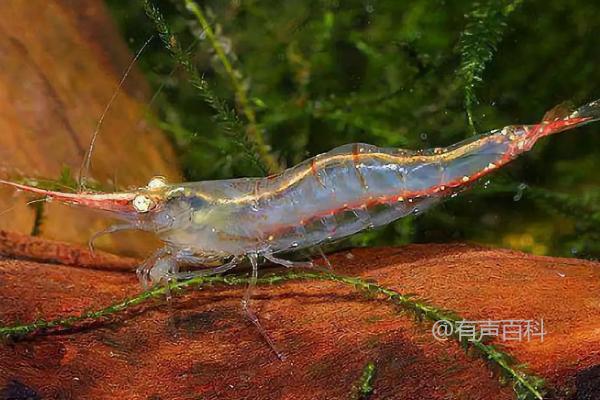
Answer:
(302, 188)
(319, 74)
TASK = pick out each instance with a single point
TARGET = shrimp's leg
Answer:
(107, 231)
(151, 268)
(203, 272)
(324, 257)
(288, 263)
(253, 257)
(162, 271)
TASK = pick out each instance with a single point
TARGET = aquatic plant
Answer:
(478, 44)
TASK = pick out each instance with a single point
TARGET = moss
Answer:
(363, 388)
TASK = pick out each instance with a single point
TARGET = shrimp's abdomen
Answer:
(360, 186)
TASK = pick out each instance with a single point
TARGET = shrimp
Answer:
(328, 197)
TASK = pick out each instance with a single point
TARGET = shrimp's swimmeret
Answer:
(325, 198)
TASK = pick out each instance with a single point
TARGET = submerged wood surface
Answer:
(61, 62)
(202, 347)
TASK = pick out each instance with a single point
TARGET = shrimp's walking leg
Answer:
(324, 257)
(288, 263)
(248, 310)
(154, 265)
(191, 260)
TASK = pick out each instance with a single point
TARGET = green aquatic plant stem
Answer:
(224, 115)
(364, 385)
(231, 73)
(252, 129)
(38, 219)
(526, 386)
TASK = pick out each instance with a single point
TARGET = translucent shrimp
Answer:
(217, 224)
(328, 197)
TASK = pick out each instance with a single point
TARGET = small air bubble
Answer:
(423, 136)
(520, 189)
(370, 8)
(294, 244)
(225, 45)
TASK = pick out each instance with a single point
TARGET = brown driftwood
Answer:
(202, 347)
(60, 64)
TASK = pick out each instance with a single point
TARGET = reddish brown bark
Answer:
(202, 347)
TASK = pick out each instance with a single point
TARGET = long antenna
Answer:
(85, 165)
(40, 200)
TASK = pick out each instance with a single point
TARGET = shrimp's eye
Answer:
(157, 182)
(142, 203)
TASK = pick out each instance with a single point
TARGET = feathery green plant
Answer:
(225, 116)
(486, 24)
(363, 388)
(235, 76)
(38, 218)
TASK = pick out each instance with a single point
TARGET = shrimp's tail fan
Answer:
(590, 111)
(562, 118)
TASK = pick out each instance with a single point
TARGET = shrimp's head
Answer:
(130, 205)
(149, 199)
(157, 207)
